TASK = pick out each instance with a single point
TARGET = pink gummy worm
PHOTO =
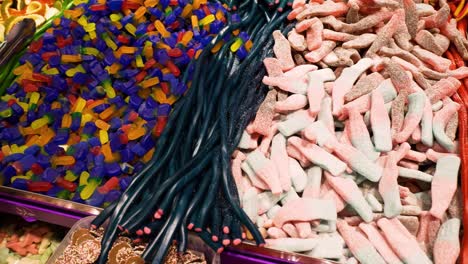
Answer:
(415, 156)
(388, 187)
(460, 73)
(413, 117)
(275, 232)
(299, 71)
(314, 35)
(354, 239)
(327, 192)
(298, 3)
(337, 36)
(290, 229)
(292, 103)
(282, 51)
(433, 155)
(264, 118)
(315, 94)
(302, 209)
(438, 63)
(287, 84)
(266, 141)
(318, 155)
(305, 24)
(350, 192)
(408, 164)
(402, 151)
(344, 83)
(279, 156)
(293, 152)
(444, 184)
(316, 55)
(380, 122)
(273, 67)
(379, 242)
(269, 174)
(359, 134)
(303, 229)
(446, 252)
(405, 248)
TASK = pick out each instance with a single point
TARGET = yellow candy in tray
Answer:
(11, 12)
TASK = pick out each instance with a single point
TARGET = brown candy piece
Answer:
(135, 260)
(89, 250)
(78, 233)
(83, 238)
(120, 252)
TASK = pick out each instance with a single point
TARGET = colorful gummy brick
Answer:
(93, 94)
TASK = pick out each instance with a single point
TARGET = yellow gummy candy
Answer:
(88, 190)
(70, 176)
(80, 104)
(84, 176)
(207, 20)
(38, 123)
(236, 45)
(103, 136)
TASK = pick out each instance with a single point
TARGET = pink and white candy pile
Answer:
(353, 154)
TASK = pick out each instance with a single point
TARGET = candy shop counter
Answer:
(37, 207)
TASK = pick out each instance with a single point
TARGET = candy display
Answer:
(93, 94)
(332, 130)
(353, 155)
(85, 248)
(25, 243)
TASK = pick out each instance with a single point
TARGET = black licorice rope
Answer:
(188, 183)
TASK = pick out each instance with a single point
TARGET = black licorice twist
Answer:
(188, 183)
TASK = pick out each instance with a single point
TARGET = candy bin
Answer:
(270, 131)
(23, 242)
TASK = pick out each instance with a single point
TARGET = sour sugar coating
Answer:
(266, 170)
(351, 194)
(444, 184)
(344, 83)
(388, 187)
(416, 103)
(443, 88)
(362, 249)
(357, 161)
(379, 242)
(314, 34)
(428, 41)
(406, 249)
(315, 90)
(384, 35)
(263, 120)
(325, 9)
(282, 51)
(318, 156)
(359, 135)
(447, 243)
(305, 209)
(295, 122)
(318, 54)
(297, 41)
(380, 123)
(292, 103)
(360, 42)
(273, 67)
(364, 86)
(398, 113)
(436, 62)
(279, 156)
(440, 120)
